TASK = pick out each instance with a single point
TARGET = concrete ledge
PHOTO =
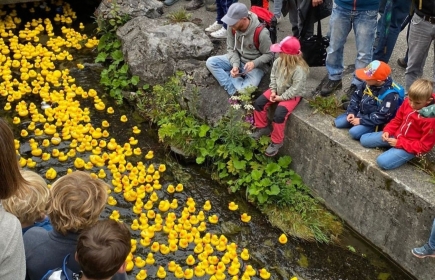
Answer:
(394, 209)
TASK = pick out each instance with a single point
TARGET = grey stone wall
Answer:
(392, 209)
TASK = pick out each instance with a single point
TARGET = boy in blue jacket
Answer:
(366, 111)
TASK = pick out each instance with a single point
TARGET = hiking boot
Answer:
(260, 132)
(423, 252)
(194, 5)
(330, 86)
(214, 27)
(211, 7)
(402, 63)
(220, 34)
(273, 149)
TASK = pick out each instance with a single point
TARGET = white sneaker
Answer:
(214, 27)
(220, 34)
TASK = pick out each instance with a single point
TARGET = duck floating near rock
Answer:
(245, 218)
(282, 239)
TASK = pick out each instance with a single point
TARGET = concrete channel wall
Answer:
(394, 210)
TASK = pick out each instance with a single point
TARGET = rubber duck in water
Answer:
(161, 273)
(179, 188)
(142, 275)
(188, 273)
(199, 272)
(190, 260)
(282, 239)
(149, 155)
(172, 266)
(244, 254)
(232, 206)
(245, 218)
(179, 273)
(139, 262)
(214, 219)
(250, 270)
(264, 274)
(50, 174)
(124, 118)
(207, 206)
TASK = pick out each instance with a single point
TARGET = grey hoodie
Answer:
(240, 46)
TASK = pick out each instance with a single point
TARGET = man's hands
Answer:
(317, 2)
(248, 67)
(234, 72)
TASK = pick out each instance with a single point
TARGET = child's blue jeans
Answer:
(389, 159)
(432, 236)
(355, 131)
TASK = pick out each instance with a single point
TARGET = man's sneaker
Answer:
(260, 132)
(402, 63)
(220, 34)
(330, 86)
(423, 252)
(214, 27)
(273, 149)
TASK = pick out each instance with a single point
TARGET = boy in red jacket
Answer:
(409, 134)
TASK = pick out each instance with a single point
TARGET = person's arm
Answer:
(264, 48)
(297, 88)
(273, 73)
(232, 53)
(387, 109)
(422, 146)
(355, 100)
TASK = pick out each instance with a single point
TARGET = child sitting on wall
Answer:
(409, 134)
(287, 87)
(29, 204)
(365, 111)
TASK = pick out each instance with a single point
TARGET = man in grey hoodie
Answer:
(245, 63)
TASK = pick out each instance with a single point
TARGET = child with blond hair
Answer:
(287, 87)
(75, 204)
(29, 204)
(410, 133)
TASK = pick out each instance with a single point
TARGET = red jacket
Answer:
(414, 133)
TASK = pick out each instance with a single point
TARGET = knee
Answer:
(383, 162)
(355, 133)
(260, 102)
(280, 114)
(210, 62)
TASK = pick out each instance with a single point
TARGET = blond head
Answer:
(288, 63)
(421, 90)
(76, 202)
(29, 204)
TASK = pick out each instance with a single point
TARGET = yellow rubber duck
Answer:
(124, 118)
(190, 260)
(78, 162)
(283, 239)
(110, 110)
(50, 174)
(30, 163)
(111, 201)
(211, 269)
(45, 156)
(150, 257)
(164, 205)
(172, 266)
(129, 266)
(199, 272)
(219, 275)
(174, 204)
(164, 250)
(250, 270)
(188, 273)
(264, 274)
(112, 144)
(115, 215)
(36, 152)
(96, 134)
(132, 141)
(245, 218)
(142, 275)
(100, 106)
(62, 157)
(179, 188)
(139, 262)
(149, 155)
(55, 140)
(232, 206)
(233, 270)
(136, 130)
(24, 133)
(244, 254)
(7, 107)
(16, 120)
(207, 206)
(179, 273)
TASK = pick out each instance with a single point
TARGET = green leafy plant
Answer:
(179, 16)
(330, 105)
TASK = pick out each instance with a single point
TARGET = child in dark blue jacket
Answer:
(366, 111)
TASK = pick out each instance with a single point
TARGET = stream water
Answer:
(295, 258)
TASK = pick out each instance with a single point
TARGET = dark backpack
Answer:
(267, 20)
(61, 273)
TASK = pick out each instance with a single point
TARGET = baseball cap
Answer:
(236, 12)
(376, 70)
(288, 45)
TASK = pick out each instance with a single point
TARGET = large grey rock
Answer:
(155, 49)
(134, 8)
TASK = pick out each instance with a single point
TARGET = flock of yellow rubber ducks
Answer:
(28, 67)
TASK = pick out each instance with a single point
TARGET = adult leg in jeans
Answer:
(340, 25)
(220, 67)
(251, 79)
(381, 10)
(293, 16)
(387, 39)
(421, 35)
(393, 158)
(364, 27)
(277, 6)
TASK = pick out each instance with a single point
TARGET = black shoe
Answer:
(349, 92)
(330, 86)
(401, 62)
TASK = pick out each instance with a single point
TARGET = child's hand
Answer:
(278, 98)
(385, 136)
(355, 121)
(350, 117)
(272, 96)
(392, 141)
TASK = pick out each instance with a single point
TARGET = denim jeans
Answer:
(432, 236)
(220, 67)
(341, 22)
(222, 9)
(277, 6)
(390, 159)
(389, 30)
(355, 131)
(421, 36)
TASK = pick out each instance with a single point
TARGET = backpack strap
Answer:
(257, 32)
